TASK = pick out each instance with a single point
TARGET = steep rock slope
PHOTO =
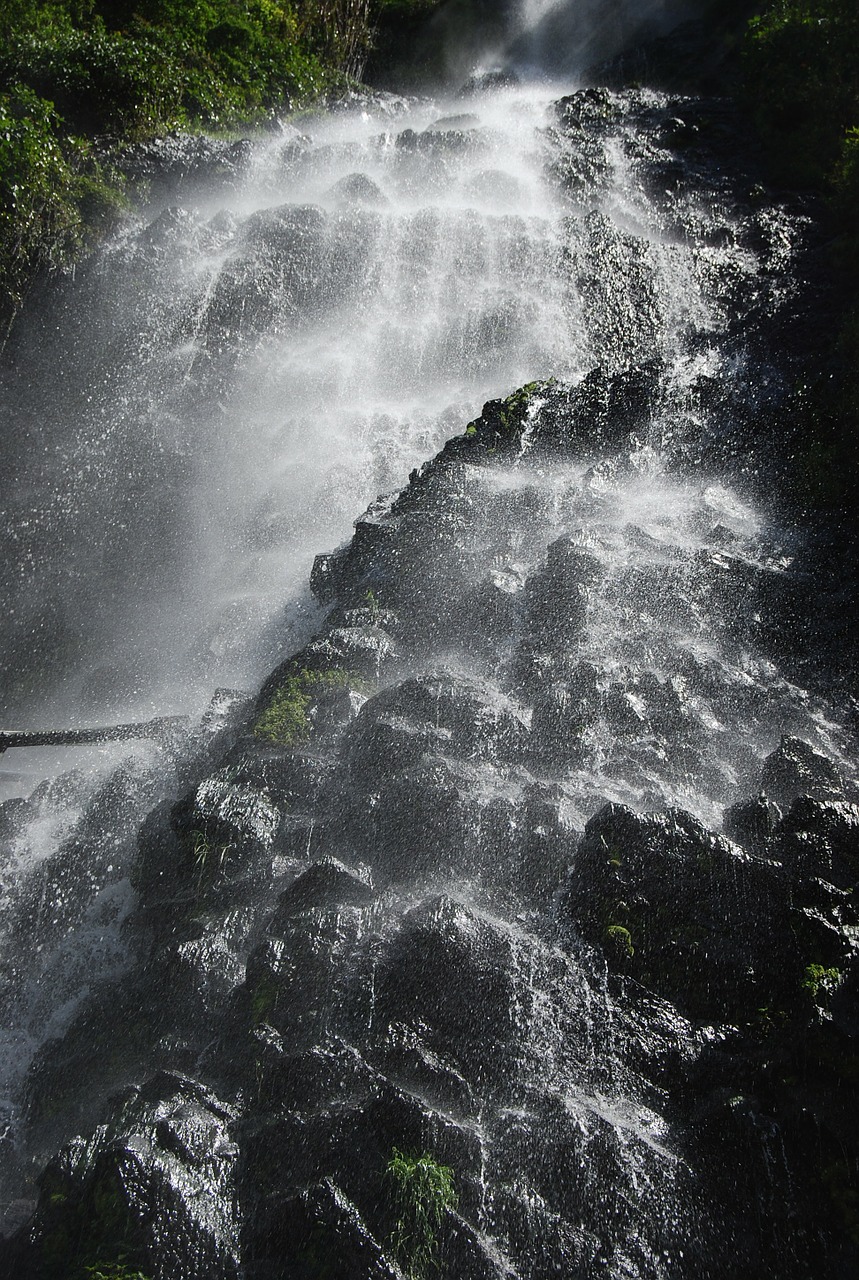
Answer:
(415, 907)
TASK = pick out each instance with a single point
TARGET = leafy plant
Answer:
(373, 605)
(53, 193)
(112, 1271)
(422, 1190)
(816, 980)
(206, 852)
(802, 77)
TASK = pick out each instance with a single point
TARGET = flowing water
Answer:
(284, 331)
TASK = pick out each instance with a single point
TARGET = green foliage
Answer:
(820, 982)
(132, 68)
(146, 65)
(802, 79)
(802, 85)
(373, 605)
(112, 1271)
(422, 1191)
(98, 82)
(264, 998)
(285, 720)
(207, 853)
(54, 196)
(514, 410)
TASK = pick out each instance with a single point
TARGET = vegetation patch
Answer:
(801, 78)
(55, 195)
(619, 941)
(286, 722)
(422, 1191)
(820, 982)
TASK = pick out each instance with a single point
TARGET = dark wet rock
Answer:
(820, 838)
(796, 769)
(452, 122)
(355, 1133)
(752, 822)
(295, 979)
(292, 777)
(357, 188)
(13, 817)
(447, 962)
(365, 651)
(227, 819)
(489, 81)
(324, 885)
(153, 1188)
(411, 1064)
(439, 714)
(318, 1232)
(557, 595)
(680, 908)
(186, 164)
(433, 820)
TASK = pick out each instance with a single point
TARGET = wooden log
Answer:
(159, 728)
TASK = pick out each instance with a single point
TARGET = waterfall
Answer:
(578, 613)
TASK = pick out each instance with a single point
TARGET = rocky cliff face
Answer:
(453, 888)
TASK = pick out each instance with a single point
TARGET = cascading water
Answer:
(354, 934)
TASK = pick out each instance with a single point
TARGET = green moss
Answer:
(112, 1271)
(285, 721)
(264, 999)
(422, 1191)
(514, 410)
(619, 940)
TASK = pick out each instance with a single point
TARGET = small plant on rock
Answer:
(619, 941)
(422, 1191)
(207, 854)
(285, 721)
(112, 1271)
(820, 982)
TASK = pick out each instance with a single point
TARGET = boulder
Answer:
(324, 885)
(317, 1234)
(797, 769)
(153, 1190)
(751, 823)
(681, 909)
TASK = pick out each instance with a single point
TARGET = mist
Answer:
(542, 39)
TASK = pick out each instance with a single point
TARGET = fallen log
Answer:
(160, 729)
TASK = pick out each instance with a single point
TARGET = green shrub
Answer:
(819, 981)
(422, 1190)
(99, 82)
(112, 1271)
(802, 81)
(53, 194)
